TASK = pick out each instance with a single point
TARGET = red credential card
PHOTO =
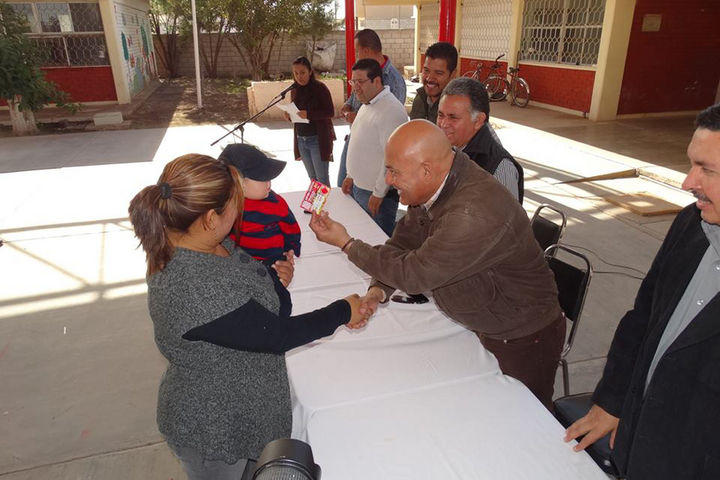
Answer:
(315, 197)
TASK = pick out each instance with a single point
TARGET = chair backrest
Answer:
(546, 231)
(572, 283)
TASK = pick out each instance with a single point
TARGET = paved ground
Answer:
(77, 359)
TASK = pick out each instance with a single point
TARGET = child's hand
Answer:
(285, 268)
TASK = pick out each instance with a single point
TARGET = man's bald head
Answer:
(418, 156)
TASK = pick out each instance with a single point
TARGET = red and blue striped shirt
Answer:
(268, 228)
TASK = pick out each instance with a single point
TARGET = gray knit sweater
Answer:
(225, 403)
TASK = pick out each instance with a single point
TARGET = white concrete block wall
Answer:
(397, 44)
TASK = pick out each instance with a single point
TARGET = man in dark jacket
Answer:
(441, 60)
(659, 396)
(469, 243)
(463, 116)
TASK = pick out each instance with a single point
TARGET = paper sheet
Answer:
(292, 110)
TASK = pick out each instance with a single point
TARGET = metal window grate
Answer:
(70, 34)
(562, 31)
(486, 25)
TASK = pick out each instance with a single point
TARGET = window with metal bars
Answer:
(562, 31)
(70, 34)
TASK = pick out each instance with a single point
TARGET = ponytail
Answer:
(189, 187)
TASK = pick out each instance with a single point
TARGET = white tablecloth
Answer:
(413, 394)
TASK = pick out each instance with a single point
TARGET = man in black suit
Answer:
(659, 396)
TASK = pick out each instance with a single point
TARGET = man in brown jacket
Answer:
(468, 241)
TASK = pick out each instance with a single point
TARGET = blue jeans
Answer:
(385, 217)
(342, 173)
(309, 148)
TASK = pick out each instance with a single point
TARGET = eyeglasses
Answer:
(355, 83)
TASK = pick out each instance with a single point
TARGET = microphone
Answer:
(291, 87)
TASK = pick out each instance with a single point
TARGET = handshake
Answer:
(362, 308)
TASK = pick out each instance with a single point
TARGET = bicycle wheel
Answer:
(497, 88)
(520, 93)
(471, 74)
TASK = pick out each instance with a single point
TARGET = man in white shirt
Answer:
(378, 117)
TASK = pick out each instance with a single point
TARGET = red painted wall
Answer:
(677, 68)
(564, 87)
(84, 84)
(469, 64)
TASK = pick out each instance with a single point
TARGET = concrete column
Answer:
(515, 32)
(416, 46)
(112, 39)
(458, 28)
(614, 41)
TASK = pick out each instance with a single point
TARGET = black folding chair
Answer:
(572, 283)
(546, 231)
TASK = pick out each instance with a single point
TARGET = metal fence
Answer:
(562, 31)
(70, 34)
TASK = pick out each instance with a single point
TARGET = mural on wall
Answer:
(138, 55)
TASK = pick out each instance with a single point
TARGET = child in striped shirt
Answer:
(266, 229)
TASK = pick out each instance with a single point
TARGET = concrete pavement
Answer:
(77, 359)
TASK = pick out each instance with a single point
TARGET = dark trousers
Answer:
(532, 359)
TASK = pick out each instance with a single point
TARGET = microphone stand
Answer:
(241, 126)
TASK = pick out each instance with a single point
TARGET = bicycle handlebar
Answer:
(498, 58)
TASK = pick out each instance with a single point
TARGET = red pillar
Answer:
(349, 39)
(447, 21)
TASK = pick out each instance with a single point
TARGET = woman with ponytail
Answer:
(221, 319)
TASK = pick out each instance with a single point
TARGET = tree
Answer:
(212, 19)
(259, 24)
(168, 22)
(317, 20)
(22, 83)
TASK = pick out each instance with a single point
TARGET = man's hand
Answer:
(287, 116)
(357, 318)
(350, 116)
(285, 268)
(369, 303)
(328, 230)
(347, 186)
(302, 114)
(347, 113)
(595, 425)
(374, 204)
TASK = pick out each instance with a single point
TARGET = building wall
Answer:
(562, 87)
(678, 67)
(138, 56)
(84, 84)
(397, 44)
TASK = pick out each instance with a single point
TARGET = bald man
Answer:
(468, 242)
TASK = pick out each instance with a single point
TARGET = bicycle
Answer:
(518, 87)
(497, 85)
(494, 82)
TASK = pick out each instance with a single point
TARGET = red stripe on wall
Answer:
(469, 65)
(563, 87)
(84, 84)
